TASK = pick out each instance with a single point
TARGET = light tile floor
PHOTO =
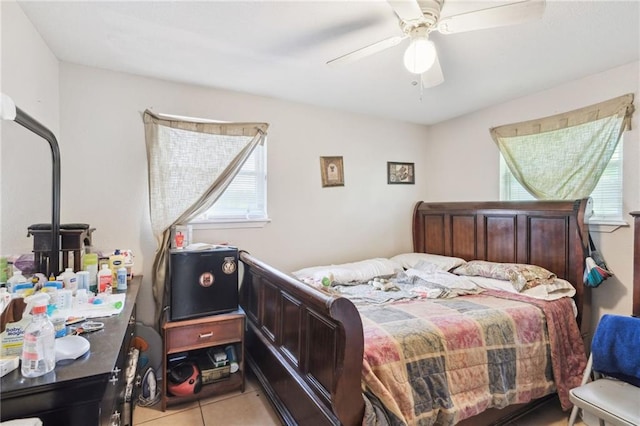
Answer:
(235, 408)
(252, 408)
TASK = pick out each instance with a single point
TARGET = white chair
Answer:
(610, 397)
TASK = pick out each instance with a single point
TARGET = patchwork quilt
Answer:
(441, 361)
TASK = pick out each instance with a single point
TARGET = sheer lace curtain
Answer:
(563, 156)
(191, 163)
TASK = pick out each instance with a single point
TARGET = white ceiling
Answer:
(279, 49)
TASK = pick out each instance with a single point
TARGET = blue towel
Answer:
(616, 348)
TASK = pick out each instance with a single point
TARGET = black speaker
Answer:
(202, 282)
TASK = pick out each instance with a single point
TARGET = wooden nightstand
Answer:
(199, 334)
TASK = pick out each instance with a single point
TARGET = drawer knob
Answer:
(206, 335)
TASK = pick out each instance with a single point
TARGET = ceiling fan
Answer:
(418, 18)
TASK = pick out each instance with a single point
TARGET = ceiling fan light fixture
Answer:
(420, 55)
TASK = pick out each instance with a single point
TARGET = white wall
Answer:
(29, 76)
(104, 175)
(466, 142)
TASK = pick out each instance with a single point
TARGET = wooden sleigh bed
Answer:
(306, 346)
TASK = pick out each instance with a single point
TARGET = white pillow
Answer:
(444, 263)
(355, 272)
(559, 288)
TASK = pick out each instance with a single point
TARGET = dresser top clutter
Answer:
(67, 328)
(73, 385)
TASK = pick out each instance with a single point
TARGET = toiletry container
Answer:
(83, 280)
(91, 265)
(116, 261)
(70, 280)
(105, 279)
(4, 266)
(121, 279)
(16, 278)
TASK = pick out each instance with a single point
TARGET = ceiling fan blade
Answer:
(433, 76)
(407, 10)
(367, 50)
(498, 16)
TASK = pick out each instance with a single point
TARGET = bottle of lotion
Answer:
(70, 280)
(105, 279)
(116, 261)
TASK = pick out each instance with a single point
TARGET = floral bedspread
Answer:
(444, 360)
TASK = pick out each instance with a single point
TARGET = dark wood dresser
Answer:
(84, 392)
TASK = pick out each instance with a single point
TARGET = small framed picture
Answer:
(400, 173)
(332, 171)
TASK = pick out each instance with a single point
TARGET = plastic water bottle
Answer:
(38, 350)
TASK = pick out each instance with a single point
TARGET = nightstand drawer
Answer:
(204, 334)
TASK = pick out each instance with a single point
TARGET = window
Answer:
(607, 195)
(245, 200)
(570, 155)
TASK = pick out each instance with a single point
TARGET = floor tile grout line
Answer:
(229, 397)
(201, 413)
(166, 414)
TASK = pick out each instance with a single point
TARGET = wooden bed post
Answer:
(304, 345)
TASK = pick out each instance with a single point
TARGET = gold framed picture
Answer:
(400, 173)
(332, 170)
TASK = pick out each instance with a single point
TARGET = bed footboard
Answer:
(296, 344)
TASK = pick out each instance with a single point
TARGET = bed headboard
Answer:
(551, 234)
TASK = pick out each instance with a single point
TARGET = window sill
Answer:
(231, 224)
(606, 226)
